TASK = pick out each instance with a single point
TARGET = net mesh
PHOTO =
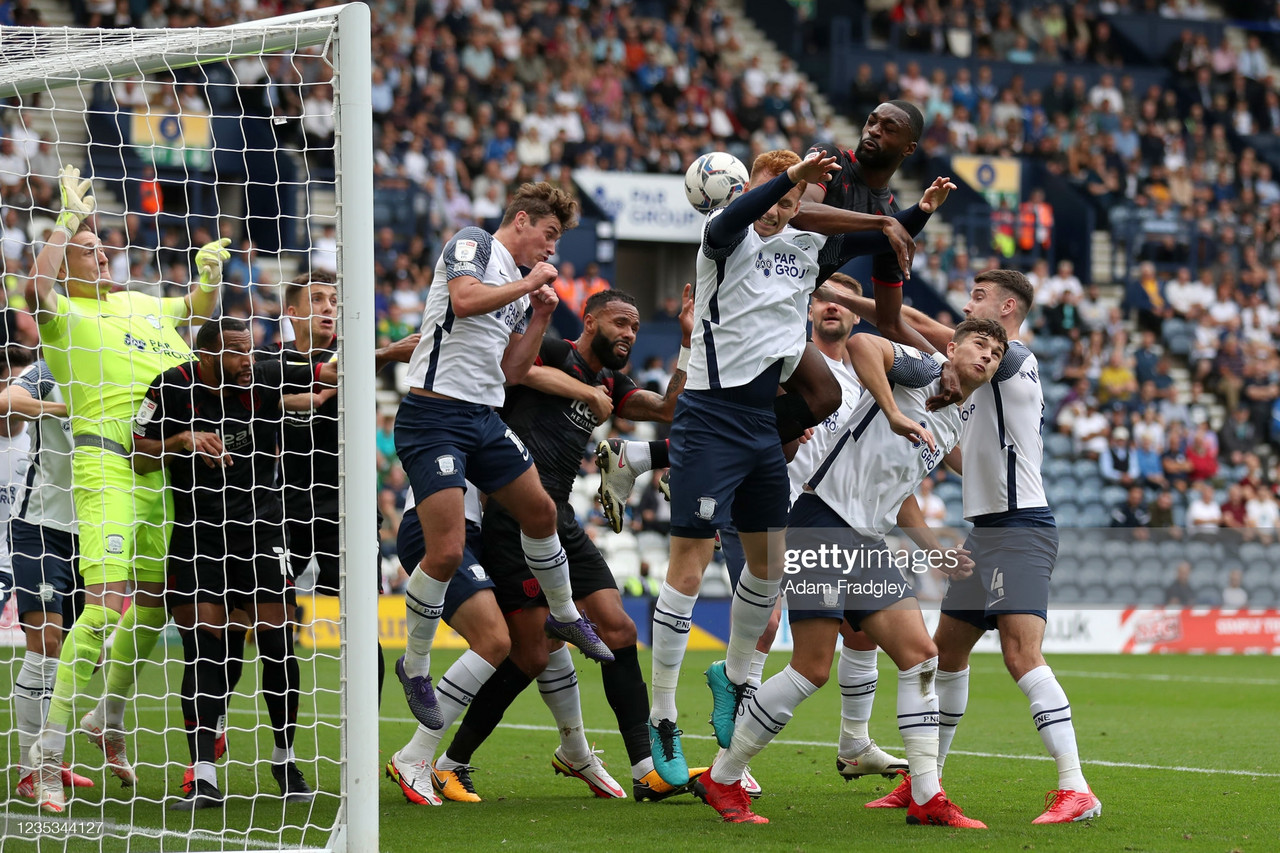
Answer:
(188, 137)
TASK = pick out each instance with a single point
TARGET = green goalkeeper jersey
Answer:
(104, 352)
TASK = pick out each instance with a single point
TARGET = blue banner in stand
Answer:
(652, 208)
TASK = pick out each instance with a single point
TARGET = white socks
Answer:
(32, 690)
(763, 717)
(1051, 713)
(953, 698)
(547, 560)
(636, 456)
(558, 685)
(756, 674)
(918, 723)
(857, 676)
(424, 603)
(457, 687)
(753, 601)
(672, 618)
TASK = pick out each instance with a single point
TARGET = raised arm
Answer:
(202, 300)
(724, 230)
(873, 357)
(522, 351)
(645, 405)
(470, 296)
(937, 334)
(77, 205)
(557, 383)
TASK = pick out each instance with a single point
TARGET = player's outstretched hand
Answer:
(907, 428)
(686, 315)
(936, 195)
(209, 260)
(402, 350)
(815, 167)
(542, 273)
(544, 299)
(77, 198)
(948, 389)
(902, 244)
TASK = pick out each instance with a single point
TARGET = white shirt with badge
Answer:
(812, 452)
(44, 497)
(461, 357)
(870, 470)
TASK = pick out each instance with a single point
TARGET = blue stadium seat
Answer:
(1113, 496)
(1057, 445)
(1263, 597)
(1124, 595)
(1151, 595)
(1084, 469)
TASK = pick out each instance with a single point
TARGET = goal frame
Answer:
(346, 30)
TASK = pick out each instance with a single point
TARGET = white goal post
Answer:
(36, 62)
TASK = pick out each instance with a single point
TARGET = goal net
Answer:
(258, 135)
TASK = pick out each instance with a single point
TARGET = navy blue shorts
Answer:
(442, 443)
(1013, 554)
(470, 577)
(863, 578)
(517, 588)
(44, 569)
(726, 465)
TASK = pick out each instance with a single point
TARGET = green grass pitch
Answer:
(1183, 752)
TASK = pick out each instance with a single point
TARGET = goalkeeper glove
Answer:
(77, 199)
(209, 261)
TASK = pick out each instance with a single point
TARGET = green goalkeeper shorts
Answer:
(124, 519)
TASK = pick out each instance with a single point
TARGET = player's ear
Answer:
(909, 150)
(951, 348)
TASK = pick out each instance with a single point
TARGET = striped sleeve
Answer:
(37, 380)
(1012, 362)
(912, 368)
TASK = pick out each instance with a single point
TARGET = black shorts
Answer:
(319, 538)
(44, 569)
(250, 564)
(514, 584)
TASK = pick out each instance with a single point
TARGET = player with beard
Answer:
(857, 197)
(213, 424)
(555, 427)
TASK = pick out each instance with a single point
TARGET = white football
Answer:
(714, 180)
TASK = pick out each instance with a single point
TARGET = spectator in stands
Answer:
(1177, 468)
(1090, 432)
(1234, 597)
(1133, 512)
(933, 507)
(1118, 465)
(1150, 464)
(1117, 385)
(1204, 513)
(1160, 514)
(1262, 513)
(1202, 455)
(1180, 593)
(1238, 436)
(1234, 509)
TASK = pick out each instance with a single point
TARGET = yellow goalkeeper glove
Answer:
(77, 199)
(209, 261)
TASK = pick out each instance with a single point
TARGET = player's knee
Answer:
(492, 645)
(540, 518)
(812, 671)
(530, 660)
(617, 630)
(1020, 659)
(442, 562)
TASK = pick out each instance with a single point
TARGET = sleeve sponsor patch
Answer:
(145, 412)
(463, 267)
(465, 250)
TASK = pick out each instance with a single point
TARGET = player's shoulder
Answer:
(469, 242)
(179, 376)
(1018, 358)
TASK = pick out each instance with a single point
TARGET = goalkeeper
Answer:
(104, 348)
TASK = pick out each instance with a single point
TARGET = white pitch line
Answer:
(1159, 676)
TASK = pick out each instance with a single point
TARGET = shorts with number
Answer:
(874, 584)
(469, 579)
(442, 443)
(726, 465)
(516, 587)
(1013, 555)
(124, 518)
(44, 569)
(232, 565)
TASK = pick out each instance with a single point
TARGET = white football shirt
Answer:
(13, 468)
(44, 496)
(461, 357)
(870, 470)
(1000, 446)
(751, 305)
(825, 434)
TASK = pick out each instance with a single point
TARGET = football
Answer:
(714, 180)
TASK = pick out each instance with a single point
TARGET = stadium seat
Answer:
(1263, 597)
(1057, 446)
(1114, 496)
(1084, 469)
(1064, 595)
(1124, 595)
(1252, 553)
(1151, 595)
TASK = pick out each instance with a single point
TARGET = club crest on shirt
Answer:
(154, 321)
